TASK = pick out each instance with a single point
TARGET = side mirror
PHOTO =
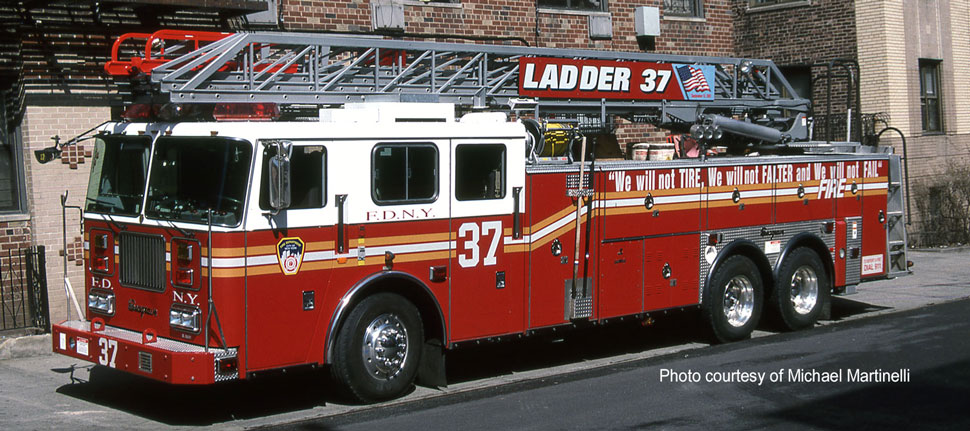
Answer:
(278, 169)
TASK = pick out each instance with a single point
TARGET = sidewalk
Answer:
(22, 344)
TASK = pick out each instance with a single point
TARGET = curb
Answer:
(25, 347)
(954, 249)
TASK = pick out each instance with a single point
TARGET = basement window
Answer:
(584, 5)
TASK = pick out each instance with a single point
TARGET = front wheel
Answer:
(733, 299)
(800, 289)
(378, 348)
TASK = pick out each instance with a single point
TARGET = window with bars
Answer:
(758, 3)
(588, 5)
(684, 8)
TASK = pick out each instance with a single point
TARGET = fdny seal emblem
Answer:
(289, 251)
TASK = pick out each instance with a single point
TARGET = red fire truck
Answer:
(275, 200)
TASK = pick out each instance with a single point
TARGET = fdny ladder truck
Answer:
(274, 200)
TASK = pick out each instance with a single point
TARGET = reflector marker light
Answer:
(101, 301)
(103, 251)
(185, 318)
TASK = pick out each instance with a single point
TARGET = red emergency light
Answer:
(246, 112)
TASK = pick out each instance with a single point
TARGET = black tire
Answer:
(396, 322)
(733, 300)
(800, 290)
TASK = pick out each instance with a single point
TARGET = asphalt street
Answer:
(601, 378)
(900, 371)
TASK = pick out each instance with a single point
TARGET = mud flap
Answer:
(431, 370)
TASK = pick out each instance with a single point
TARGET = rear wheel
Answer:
(378, 348)
(800, 289)
(733, 299)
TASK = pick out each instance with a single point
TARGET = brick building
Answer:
(913, 64)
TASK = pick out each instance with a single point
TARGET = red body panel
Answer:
(646, 246)
(874, 256)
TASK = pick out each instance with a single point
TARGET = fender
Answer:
(811, 241)
(349, 298)
(739, 246)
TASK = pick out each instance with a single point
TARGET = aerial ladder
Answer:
(312, 69)
(751, 105)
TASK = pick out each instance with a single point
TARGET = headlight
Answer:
(185, 317)
(101, 301)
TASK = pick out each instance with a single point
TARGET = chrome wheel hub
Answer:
(804, 289)
(385, 346)
(738, 301)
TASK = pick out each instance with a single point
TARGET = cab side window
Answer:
(479, 172)
(308, 172)
(404, 173)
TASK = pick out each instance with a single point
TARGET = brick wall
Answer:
(801, 33)
(49, 182)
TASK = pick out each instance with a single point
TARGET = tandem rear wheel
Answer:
(378, 348)
(733, 300)
(800, 290)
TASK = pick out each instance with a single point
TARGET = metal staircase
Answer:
(294, 68)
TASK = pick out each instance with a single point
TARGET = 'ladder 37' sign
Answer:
(562, 78)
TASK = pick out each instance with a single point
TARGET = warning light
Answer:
(246, 112)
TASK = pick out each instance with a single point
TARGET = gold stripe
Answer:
(643, 193)
(749, 187)
(659, 207)
(727, 202)
(402, 239)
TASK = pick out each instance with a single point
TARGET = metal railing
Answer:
(23, 289)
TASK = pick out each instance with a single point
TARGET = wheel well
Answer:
(397, 283)
(815, 244)
(751, 251)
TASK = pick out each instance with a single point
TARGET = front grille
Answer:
(142, 261)
(145, 362)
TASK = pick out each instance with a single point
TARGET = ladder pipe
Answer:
(579, 206)
(589, 214)
(909, 208)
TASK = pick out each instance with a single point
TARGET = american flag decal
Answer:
(693, 78)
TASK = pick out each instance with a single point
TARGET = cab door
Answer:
(486, 265)
(285, 269)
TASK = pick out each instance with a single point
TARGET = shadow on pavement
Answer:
(303, 389)
(843, 308)
(934, 399)
(203, 405)
(475, 362)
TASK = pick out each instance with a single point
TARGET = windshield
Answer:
(191, 175)
(117, 182)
